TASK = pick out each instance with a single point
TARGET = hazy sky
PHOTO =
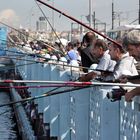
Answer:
(25, 12)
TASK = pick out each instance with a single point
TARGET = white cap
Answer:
(47, 55)
(54, 57)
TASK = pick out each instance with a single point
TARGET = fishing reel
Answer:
(116, 94)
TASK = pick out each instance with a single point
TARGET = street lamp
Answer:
(112, 14)
(139, 13)
(90, 13)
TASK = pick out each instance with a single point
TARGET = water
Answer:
(7, 124)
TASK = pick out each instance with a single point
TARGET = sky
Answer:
(24, 13)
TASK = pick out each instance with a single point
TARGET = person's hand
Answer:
(88, 77)
(129, 96)
(82, 79)
(91, 75)
(123, 79)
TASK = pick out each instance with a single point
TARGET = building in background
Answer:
(41, 24)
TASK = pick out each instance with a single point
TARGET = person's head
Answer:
(131, 41)
(69, 46)
(99, 48)
(116, 50)
(89, 38)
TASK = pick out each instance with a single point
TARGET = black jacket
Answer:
(87, 58)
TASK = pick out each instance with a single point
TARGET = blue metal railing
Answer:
(84, 114)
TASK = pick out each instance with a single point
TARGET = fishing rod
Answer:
(79, 22)
(32, 37)
(12, 67)
(29, 101)
(28, 54)
(44, 95)
(48, 61)
(40, 86)
(62, 49)
(8, 42)
(71, 83)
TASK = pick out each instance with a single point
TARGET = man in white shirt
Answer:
(124, 62)
(132, 43)
(100, 52)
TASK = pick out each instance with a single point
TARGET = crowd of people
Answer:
(113, 62)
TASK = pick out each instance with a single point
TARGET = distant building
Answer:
(41, 24)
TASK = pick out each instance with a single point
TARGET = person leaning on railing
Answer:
(105, 65)
(131, 41)
(125, 64)
(87, 58)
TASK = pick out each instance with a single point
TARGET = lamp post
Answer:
(112, 14)
(53, 15)
(90, 13)
(139, 12)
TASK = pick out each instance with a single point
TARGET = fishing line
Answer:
(13, 66)
(32, 38)
(62, 49)
(49, 59)
(36, 55)
(79, 22)
(54, 62)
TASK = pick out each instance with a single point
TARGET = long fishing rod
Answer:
(31, 37)
(12, 67)
(40, 86)
(51, 61)
(36, 55)
(62, 49)
(71, 83)
(9, 42)
(48, 61)
(79, 22)
(29, 100)
(23, 54)
(21, 59)
(17, 52)
(43, 95)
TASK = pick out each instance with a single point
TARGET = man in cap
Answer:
(125, 64)
(132, 43)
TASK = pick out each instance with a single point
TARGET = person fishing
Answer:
(100, 52)
(87, 58)
(131, 41)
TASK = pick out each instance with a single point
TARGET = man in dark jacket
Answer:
(87, 57)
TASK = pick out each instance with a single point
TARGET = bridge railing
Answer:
(85, 114)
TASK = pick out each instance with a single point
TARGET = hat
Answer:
(132, 37)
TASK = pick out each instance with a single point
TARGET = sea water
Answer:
(7, 124)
